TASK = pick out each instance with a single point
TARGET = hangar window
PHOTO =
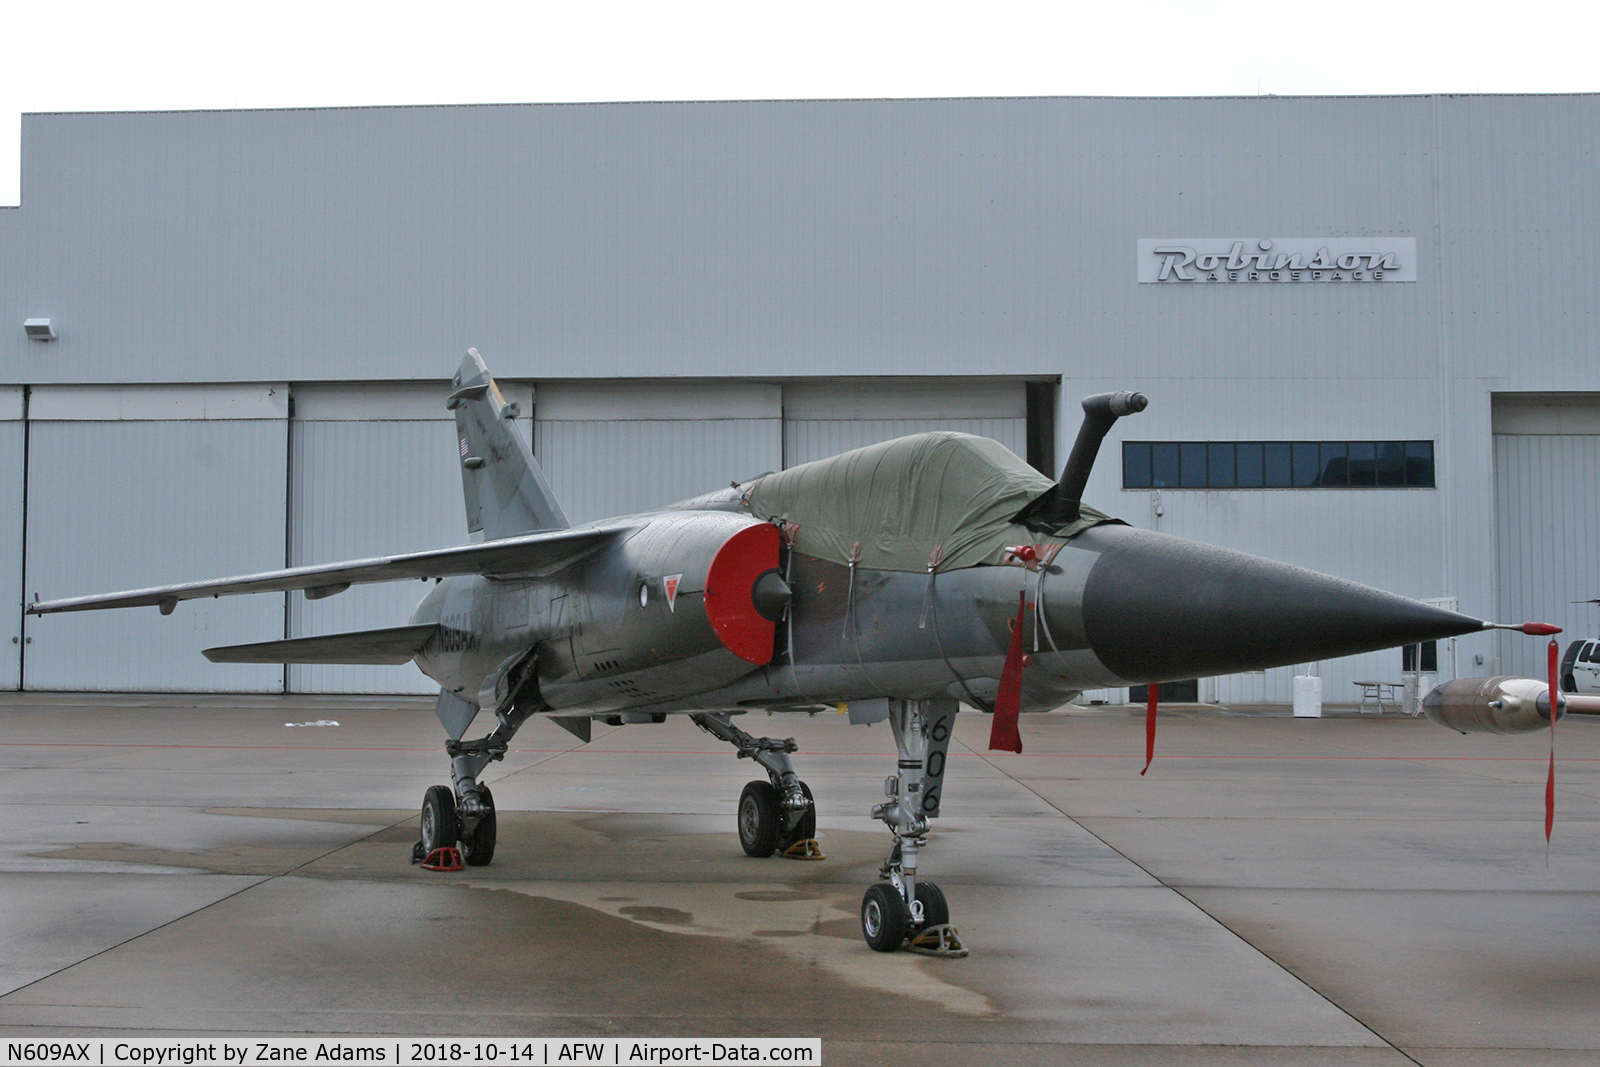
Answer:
(1277, 465)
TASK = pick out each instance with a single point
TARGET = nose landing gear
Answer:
(900, 911)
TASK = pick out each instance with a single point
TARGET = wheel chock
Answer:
(942, 940)
(807, 848)
(444, 859)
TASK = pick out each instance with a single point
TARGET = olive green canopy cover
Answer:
(905, 499)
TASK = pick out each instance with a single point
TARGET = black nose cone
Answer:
(1157, 607)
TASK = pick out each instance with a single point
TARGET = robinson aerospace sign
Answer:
(1280, 260)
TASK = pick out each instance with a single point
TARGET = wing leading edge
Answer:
(531, 555)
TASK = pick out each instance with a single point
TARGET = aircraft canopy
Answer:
(904, 499)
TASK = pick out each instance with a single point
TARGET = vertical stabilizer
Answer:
(506, 492)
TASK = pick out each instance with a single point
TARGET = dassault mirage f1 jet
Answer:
(902, 580)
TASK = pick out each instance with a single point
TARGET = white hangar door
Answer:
(1547, 521)
(613, 448)
(13, 441)
(374, 470)
(822, 419)
(138, 486)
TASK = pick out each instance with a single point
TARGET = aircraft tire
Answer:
(478, 850)
(885, 919)
(760, 821)
(805, 828)
(935, 912)
(439, 826)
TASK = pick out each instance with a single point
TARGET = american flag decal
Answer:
(463, 448)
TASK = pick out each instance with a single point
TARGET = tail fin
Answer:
(506, 492)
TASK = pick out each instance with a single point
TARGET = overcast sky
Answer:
(87, 55)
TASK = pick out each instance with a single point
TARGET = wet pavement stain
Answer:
(533, 965)
(359, 816)
(811, 925)
(844, 929)
(665, 916)
(789, 920)
(240, 859)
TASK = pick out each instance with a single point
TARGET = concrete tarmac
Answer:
(1352, 890)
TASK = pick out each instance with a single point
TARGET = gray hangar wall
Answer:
(255, 312)
(1547, 479)
(162, 483)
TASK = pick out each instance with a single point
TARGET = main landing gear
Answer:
(458, 820)
(901, 911)
(777, 815)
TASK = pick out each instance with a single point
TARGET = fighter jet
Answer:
(898, 582)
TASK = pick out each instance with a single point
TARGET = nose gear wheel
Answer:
(903, 907)
(935, 912)
(884, 918)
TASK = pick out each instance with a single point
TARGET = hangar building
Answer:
(1367, 327)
